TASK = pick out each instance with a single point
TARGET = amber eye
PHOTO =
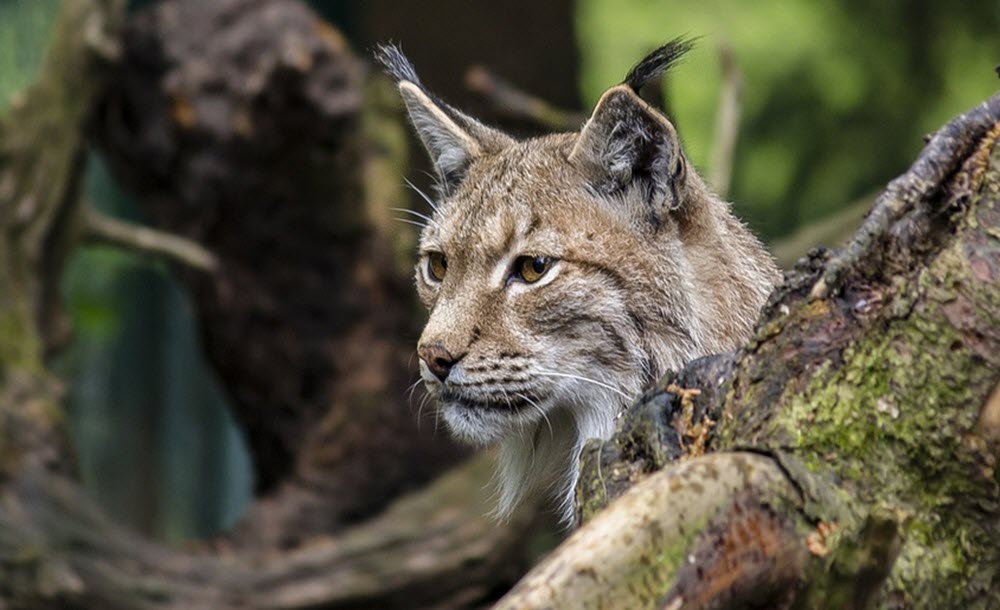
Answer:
(532, 268)
(437, 265)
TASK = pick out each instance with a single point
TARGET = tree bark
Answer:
(846, 457)
(41, 159)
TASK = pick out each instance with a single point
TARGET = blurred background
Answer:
(834, 101)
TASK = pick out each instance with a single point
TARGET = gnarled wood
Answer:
(432, 549)
(871, 399)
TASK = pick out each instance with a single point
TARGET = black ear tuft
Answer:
(451, 138)
(396, 64)
(657, 62)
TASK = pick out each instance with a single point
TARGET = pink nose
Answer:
(438, 359)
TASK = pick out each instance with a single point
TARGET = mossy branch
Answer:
(873, 400)
(720, 529)
(42, 158)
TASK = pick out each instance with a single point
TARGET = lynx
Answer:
(566, 272)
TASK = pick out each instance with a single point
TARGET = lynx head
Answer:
(563, 273)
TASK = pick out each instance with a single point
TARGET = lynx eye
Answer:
(532, 268)
(437, 265)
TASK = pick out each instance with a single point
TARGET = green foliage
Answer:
(24, 27)
(836, 96)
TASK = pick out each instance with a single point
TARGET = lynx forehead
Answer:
(564, 273)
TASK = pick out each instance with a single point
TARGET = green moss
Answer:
(660, 567)
(19, 346)
(871, 409)
(888, 410)
(891, 420)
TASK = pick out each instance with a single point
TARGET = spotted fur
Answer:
(651, 270)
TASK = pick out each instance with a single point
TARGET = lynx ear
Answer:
(452, 139)
(451, 148)
(627, 145)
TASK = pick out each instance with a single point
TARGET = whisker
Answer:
(413, 388)
(586, 379)
(422, 194)
(423, 399)
(420, 408)
(435, 179)
(503, 392)
(411, 222)
(417, 214)
(540, 411)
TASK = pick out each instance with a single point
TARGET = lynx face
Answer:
(564, 273)
(529, 300)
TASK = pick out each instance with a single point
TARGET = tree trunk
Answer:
(247, 126)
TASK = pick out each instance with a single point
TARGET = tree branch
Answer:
(943, 154)
(830, 231)
(519, 105)
(103, 229)
(42, 157)
(706, 533)
(869, 400)
(434, 548)
(727, 122)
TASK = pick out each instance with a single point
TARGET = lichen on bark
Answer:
(864, 384)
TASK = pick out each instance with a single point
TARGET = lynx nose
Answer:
(438, 359)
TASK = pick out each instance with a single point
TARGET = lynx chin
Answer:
(566, 272)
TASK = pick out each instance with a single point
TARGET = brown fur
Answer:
(651, 270)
